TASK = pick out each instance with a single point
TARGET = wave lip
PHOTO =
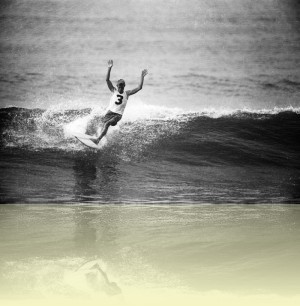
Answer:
(217, 136)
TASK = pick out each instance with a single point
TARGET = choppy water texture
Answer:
(221, 54)
(216, 122)
(190, 157)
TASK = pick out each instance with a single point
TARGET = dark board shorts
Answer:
(114, 118)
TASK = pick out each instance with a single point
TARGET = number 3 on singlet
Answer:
(120, 99)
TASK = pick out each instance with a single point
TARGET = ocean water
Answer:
(193, 197)
(224, 55)
(155, 254)
(184, 158)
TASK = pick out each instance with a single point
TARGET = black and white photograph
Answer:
(150, 152)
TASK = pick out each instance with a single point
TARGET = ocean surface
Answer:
(193, 195)
(216, 122)
(184, 158)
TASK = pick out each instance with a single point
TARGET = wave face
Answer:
(154, 155)
(237, 138)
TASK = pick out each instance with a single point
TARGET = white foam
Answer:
(220, 112)
(138, 110)
(77, 126)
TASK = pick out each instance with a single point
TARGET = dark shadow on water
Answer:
(85, 173)
(294, 189)
(96, 179)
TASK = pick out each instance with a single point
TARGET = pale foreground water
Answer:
(154, 254)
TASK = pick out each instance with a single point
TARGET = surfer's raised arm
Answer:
(117, 104)
(109, 83)
(133, 91)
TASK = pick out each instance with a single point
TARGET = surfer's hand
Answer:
(144, 72)
(110, 63)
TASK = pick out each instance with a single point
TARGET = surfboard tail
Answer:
(89, 143)
(84, 136)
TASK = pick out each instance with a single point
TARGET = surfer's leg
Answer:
(114, 119)
(104, 130)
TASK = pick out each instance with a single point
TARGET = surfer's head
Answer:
(121, 85)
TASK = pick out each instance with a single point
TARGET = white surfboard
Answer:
(86, 140)
(83, 136)
(89, 143)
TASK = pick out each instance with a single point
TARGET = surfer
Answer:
(117, 102)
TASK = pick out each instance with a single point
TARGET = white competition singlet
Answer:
(118, 102)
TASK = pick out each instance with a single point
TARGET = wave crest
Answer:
(208, 137)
